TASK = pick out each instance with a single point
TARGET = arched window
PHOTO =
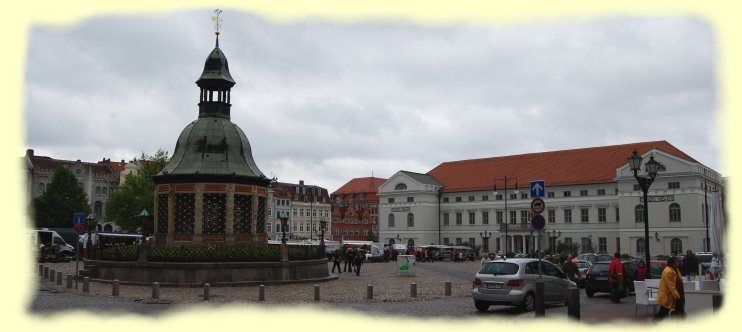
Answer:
(400, 186)
(98, 208)
(97, 191)
(640, 246)
(639, 213)
(676, 245)
(104, 192)
(410, 220)
(391, 220)
(675, 212)
(41, 187)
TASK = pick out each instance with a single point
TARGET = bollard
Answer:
(59, 277)
(155, 290)
(539, 306)
(41, 270)
(316, 292)
(115, 287)
(369, 292)
(573, 303)
(69, 281)
(52, 275)
(86, 284)
(261, 293)
(46, 272)
(448, 288)
(207, 292)
(413, 289)
(716, 300)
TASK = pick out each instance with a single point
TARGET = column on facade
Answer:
(229, 227)
(198, 213)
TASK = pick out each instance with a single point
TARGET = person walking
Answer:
(358, 261)
(348, 261)
(615, 278)
(690, 264)
(336, 262)
(670, 295)
(570, 268)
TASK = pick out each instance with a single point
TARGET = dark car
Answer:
(592, 258)
(596, 279)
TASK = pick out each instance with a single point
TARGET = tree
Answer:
(63, 197)
(125, 204)
(371, 237)
(136, 194)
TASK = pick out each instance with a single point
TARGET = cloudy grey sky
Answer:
(325, 102)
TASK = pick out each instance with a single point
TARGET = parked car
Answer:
(512, 282)
(583, 267)
(596, 279)
(592, 258)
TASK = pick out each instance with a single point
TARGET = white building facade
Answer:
(592, 200)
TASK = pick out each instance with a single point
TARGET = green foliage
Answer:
(568, 248)
(125, 204)
(151, 165)
(372, 237)
(63, 197)
(214, 254)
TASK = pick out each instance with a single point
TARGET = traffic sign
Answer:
(538, 188)
(538, 222)
(537, 205)
(78, 218)
(79, 229)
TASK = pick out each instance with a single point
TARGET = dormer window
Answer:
(400, 186)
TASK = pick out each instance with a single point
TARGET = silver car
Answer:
(513, 282)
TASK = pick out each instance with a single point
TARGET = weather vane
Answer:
(217, 20)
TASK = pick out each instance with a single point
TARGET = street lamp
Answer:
(552, 239)
(485, 239)
(284, 217)
(644, 182)
(494, 192)
(322, 226)
(143, 217)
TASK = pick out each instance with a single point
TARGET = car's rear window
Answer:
(600, 268)
(499, 268)
(582, 265)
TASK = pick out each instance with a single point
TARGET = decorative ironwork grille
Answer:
(242, 214)
(215, 213)
(261, 215)
(185, 212)
(162, 213)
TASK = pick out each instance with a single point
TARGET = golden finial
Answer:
(217, 20)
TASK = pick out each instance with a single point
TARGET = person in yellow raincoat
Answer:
(670, 295)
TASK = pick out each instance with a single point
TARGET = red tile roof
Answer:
(578, 166)
(368, 185)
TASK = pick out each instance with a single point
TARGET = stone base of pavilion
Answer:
(177, 274)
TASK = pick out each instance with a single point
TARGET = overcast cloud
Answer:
(326, 102)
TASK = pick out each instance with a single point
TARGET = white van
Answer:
(51, 238)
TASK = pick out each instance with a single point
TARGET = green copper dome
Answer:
(212, 148)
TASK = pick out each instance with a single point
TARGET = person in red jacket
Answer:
(615, 278)
(641, 271)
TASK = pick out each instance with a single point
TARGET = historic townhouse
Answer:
(305, 205)
(592, 199)
(355, 209)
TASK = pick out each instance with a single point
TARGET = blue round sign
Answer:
(538, 222)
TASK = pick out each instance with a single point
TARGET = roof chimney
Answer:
(29, 153)
(301, 183)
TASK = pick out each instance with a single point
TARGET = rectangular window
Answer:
(568, 216)
(583, 192)
(673, 185)
(550, 194)
(294, 212)
(512, 217)
(445, 219)
(551, 216)
(390, 199)
(445, 199)
(523, 195)
(637, 187)
(485, 218)
(301, 212)
(524, 216)
(498, 197)
(567, 194)
(471, 198)
(458, 218)
(498, 216)
(458, 241)
(471, 218)
(471, 242)
(485, 197)
(618, 244)
(602, 244)
(568, 241)
(601, 192)
(586, 244)
(458, 199)
(584, 215)
(617, 220)
(513, 196)
(445, 241)
(602, 215)
(410, 199)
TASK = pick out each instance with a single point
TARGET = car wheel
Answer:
(481, 305)
(589, 292)
(529, 302)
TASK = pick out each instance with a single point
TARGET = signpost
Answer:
(538, 188)
(78, 224)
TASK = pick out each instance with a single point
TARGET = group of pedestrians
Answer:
(353, 260)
